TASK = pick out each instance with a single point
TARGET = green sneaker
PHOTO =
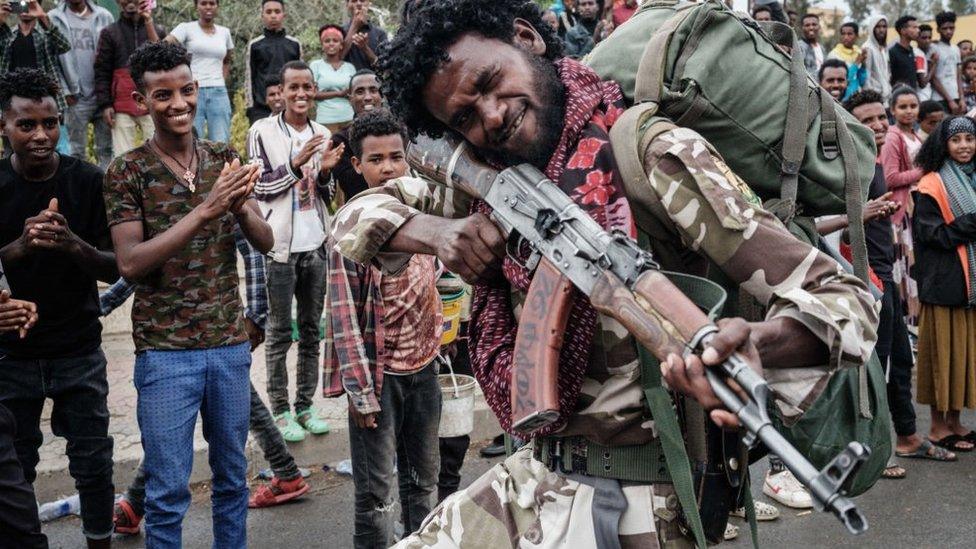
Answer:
(312, 423)
(291, 431)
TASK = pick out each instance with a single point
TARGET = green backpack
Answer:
(717, 72)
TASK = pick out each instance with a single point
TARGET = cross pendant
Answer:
(189, 177)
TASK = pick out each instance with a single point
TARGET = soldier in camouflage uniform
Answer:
(513, 108)
(173, 205)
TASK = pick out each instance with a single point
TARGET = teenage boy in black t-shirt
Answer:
(55, 245)
(901, 55)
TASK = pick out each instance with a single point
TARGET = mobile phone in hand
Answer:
(19, 6)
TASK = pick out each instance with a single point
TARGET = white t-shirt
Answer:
(307, 232)
(207, 51)
(947, 70)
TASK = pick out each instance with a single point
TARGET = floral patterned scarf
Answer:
(582, 166)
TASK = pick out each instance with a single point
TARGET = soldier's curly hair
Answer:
(420, 47)
(156, 57)
(376, 123)
(862, 97)
(27, 83)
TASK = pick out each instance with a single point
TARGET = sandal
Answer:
(311, 422)
(125, 519)
(951, 442)
(927, 450)
(894, 472)
(970, 437)
(278, 492)
(291, 431)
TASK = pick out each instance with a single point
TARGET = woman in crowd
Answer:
(210, 46)
(945, 240)
(901, 174)
(332, 76)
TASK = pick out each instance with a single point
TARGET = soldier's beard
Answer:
(551, 94)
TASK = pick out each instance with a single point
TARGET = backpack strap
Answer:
(835, 129)
(629, 146)
(711, 298)
(650, 71)
(794, 136)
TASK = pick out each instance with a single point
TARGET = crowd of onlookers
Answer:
(158, 103)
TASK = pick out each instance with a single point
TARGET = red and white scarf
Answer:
(584, 168)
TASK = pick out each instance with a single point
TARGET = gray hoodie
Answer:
(877, 63)
(78, 79)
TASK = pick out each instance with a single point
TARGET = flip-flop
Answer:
(922, 452)
(950, 442)
(970, 437)
(894, 472)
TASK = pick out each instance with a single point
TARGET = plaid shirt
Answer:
(360, 330)
(254, 276)
(353, 335)
(49, 44)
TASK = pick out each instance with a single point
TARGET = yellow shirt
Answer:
(847, 55)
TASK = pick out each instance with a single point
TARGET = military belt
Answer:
(581, 456)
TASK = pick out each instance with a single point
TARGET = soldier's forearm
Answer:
(418, 235)
(786, 343)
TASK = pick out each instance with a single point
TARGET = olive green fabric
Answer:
(726, 80)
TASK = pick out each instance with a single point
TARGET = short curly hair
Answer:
(156, 57)
(376, 123)
(433, 26)
(863, 97)
(27, 83)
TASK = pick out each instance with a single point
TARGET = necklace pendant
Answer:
(188, 176)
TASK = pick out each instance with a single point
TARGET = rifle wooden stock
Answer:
(656, 312)
(535, 366)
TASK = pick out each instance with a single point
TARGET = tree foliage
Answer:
(303, 19)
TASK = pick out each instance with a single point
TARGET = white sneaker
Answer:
(764, 512)
(785, 489)
(731, 531)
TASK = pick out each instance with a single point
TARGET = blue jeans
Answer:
(214, 112)
(173, 387)
(79, 388)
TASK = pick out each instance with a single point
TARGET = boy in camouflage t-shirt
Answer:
(173, 205)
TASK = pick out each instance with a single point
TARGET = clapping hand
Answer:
(331, 155)
(234, 183)
(49, 230)
(880, 208)
(16, 315)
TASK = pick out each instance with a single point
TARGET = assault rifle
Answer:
(568, 248)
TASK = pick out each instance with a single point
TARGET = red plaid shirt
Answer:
(358, 333)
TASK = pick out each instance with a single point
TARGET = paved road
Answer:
(933, 507)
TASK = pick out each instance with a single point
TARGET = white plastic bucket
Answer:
(457, 404)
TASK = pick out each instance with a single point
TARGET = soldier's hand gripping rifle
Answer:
(622, 281)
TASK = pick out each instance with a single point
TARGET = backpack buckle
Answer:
(828, 139)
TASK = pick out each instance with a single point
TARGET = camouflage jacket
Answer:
(713, 222)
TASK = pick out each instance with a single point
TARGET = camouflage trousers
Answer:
(521, 503)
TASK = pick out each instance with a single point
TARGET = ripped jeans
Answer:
(406, 429)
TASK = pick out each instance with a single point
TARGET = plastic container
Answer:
(451, 311)
(60, 508)
(457, 404)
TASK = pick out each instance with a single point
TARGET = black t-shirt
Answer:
(66, 296)
(22, 52)
(878, 233)
(903, 66)
(375, 36)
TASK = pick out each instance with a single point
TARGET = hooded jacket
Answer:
(69, 63)
(877, 62)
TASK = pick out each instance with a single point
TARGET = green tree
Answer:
(961, 7)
